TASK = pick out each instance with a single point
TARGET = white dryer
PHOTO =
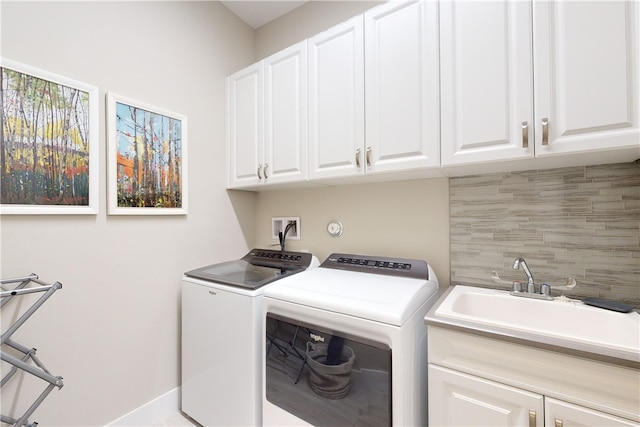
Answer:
(367, 315)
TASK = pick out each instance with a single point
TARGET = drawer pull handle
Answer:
(545, 131)
(260, 172)
(558, 422)
(266, 165)
(358, 157)
(368, 156)
(532, 418)
(525, 135)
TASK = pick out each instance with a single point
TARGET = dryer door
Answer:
(326, 378)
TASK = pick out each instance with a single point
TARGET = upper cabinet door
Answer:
(586, 70)
(336, 101)
(244, 126)
(285, 112)
(486, 82)
(402, 87)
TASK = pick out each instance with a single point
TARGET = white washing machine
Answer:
(367, 315)
(221, 335)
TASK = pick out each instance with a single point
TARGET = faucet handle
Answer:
(516, 286)
(545, 289)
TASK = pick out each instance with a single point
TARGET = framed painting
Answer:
(147, 151)
(49, 148)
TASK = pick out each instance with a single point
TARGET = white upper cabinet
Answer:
(285, 115)
(414, 89)
(402, 103)
(244, 126)
(267, 120)
(336, 101)
(584, 83)
(486, 83)
(586, 76)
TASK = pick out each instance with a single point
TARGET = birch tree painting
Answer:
(46, 142)
(148, 144)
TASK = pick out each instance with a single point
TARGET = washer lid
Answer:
(381, 298)
(256, 269)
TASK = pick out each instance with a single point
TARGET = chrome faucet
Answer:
(545, 289)
(531, 287)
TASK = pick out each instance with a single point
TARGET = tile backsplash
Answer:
(580, 222)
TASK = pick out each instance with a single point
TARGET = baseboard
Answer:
(149, 413)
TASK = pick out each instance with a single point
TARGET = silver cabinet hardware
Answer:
(368, 156)
(266, 165)
(545, 131)
(259, 171)
(358, 157)
(525, 135)
(558, 422)
(532, 418)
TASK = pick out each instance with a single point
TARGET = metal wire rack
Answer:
(36, 368)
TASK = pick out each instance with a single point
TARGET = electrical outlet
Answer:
(280, 223)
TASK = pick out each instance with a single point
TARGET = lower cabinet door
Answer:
(563, 414)
(457, 399)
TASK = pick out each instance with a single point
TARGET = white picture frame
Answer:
(50, 143)
(147, 159)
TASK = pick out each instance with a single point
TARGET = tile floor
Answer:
(175, 420)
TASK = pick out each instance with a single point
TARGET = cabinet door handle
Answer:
(545, 131)
(525, 135)
(558, 422)
(358, 157)
(368, 156)
(259, 171)
(266, 165)
(532, 418)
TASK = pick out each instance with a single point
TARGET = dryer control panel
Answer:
(402, 267)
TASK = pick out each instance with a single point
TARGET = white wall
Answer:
(112, 331)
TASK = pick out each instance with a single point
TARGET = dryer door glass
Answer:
(327, 378)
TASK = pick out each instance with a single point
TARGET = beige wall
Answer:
(408, 219)
(112, 331)
(305, 21)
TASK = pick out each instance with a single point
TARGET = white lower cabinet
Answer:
(563, 414)
(482, 380)
(458, 399)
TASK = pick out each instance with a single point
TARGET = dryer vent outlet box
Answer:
(279, 224)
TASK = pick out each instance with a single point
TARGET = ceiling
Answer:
(259, 12)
